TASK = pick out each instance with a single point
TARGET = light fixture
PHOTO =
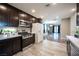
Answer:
(3, 7)
(33, 10)
(16, 18)
(57, 17)
(78, 13)
(23, 15)
(51, 25)
(50, 22)
(42, 17)
(22, 20)
(54, 3)
(73, 9)
(33, 19)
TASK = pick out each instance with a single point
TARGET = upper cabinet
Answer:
(4, 17)
(12, 17)
(8, 16)
(77, 19)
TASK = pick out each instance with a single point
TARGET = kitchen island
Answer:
(72, 46)
(10, 45)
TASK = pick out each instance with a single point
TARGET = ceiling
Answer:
(61, 10)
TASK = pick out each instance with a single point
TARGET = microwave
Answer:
(23, 23)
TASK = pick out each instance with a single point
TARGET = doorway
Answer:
(52, 32)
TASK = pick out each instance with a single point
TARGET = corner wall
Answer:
(73, 24)
(65, 27)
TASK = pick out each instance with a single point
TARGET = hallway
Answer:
(52, 32)
(54, 37)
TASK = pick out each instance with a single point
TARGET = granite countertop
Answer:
(27, 36)
(3, 37)
(73, 40)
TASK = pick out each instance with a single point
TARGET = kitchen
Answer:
(19, 30)
(15, 29)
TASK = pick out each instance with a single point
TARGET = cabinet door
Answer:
(4, 20)
(13, 17)
(8, 46)
(77, 19)
(33, 38)
(16, 45)
(8, 16)
(25, 42)
(4, 17)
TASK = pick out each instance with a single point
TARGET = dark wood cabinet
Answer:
(10, 46)
(13, 17)
(17, 45)
(28, 41)
(77, 19)
(4, 20)
(8, 16)
(4, 17)
(22, 15)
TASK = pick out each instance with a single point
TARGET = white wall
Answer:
(65, 27)
(73, 24)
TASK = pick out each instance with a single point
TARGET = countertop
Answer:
(73, 40)
(27, 36)
(3, 37)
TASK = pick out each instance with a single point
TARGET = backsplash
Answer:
(12, 30)
(8, 30)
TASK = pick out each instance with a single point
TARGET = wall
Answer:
(65, 27)
(73, 24)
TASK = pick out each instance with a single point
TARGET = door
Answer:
(56, 29)
(56, 32)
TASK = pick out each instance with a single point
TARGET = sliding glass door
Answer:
(56, 28)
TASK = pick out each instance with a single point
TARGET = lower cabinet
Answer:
(10, 46)
(28, 41)
(17, 45)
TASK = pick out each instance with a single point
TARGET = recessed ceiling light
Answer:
(23, 15)
(73, 9)
(15, 17)
(3, 7)
(51, 25)
(33, 19)
(33, 10)
(54, 3)
(57, 17)
(22, 20)
(42, 17)
(78, 13)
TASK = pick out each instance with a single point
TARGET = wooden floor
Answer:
(45, 48)
(54, 37)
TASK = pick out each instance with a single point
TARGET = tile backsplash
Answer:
(11, 30)
(8, 30)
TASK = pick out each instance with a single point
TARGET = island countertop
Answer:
(73, 40)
